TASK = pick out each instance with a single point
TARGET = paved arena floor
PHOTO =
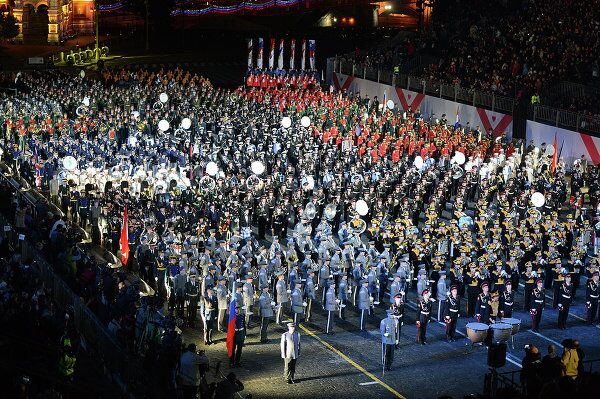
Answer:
(348, 363)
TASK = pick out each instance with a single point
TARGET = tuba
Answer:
(329, 212)
(535, 213)
(357, 226)
(457, 172)
(310, 211)
(80, 111)
(207, 183)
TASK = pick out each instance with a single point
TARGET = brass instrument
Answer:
(329, 212)
(310, 211)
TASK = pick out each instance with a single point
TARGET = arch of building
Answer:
(65, 17)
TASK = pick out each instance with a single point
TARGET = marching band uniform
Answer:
(591, 297)
(330, 307)
(564, 302)
(452, 313)
(423, 317)
(536, 305)
(389, 339)
(266, 313)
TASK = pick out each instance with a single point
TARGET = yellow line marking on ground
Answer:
(352, 362)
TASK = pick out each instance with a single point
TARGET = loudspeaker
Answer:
(496, 355)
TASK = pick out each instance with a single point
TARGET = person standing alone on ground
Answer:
(290, 351)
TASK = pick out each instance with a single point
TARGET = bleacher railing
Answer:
(124, 369)
(565, 119)
(456, 93)
(539, 113)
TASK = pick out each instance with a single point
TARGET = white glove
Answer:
(273, 303)
(386, 334)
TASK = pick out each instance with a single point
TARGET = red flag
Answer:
(555, 152)
(124, 240)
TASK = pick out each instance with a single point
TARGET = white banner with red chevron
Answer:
(571, 145)
(487, 120)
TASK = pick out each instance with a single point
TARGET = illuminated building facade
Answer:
(52, 20)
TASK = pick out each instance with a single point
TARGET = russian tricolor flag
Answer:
(38, 168)
(457, 123)
(231, 326)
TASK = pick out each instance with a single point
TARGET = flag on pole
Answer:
(231, 326)
(280, 54)
(250, 51)
(384, 100)
(272, 54)
(292, 53)
(38, 168)
(259, 57)
(555, 153)
(124, 240)
(311, 53)
(457, 123)
(303, 59)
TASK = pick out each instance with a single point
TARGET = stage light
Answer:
(388, 7)
(334, 19)
(351, 20)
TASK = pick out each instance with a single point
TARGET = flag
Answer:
(124, 240)
(384, 100)
(38, 168)
(280, 55)
(250, 48)
(292, 53)
(303, 59)
(457, 123)
(259, 57)
(272, 54)
(231, 326)
(311, 54)
(555, 153)
(358, 131)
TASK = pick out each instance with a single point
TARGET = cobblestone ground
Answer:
(353, 368)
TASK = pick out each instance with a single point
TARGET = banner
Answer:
(292, 53)
(280, 55)
(303, 59)
(311, 54)
(574, 145)
(272, 54)
(259, 57)
(476, 117)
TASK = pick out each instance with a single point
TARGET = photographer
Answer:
(192, 369)
(531, 372)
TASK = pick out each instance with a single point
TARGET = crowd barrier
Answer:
(430, 106)
(431, 87)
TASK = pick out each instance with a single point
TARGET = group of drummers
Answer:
(331, 198)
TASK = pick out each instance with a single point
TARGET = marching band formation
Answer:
(290, 197)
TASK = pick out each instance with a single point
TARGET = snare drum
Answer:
(477, 332)
(500, 332)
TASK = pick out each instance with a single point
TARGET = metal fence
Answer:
(456, 93)
(565, 119)
(497, 385)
